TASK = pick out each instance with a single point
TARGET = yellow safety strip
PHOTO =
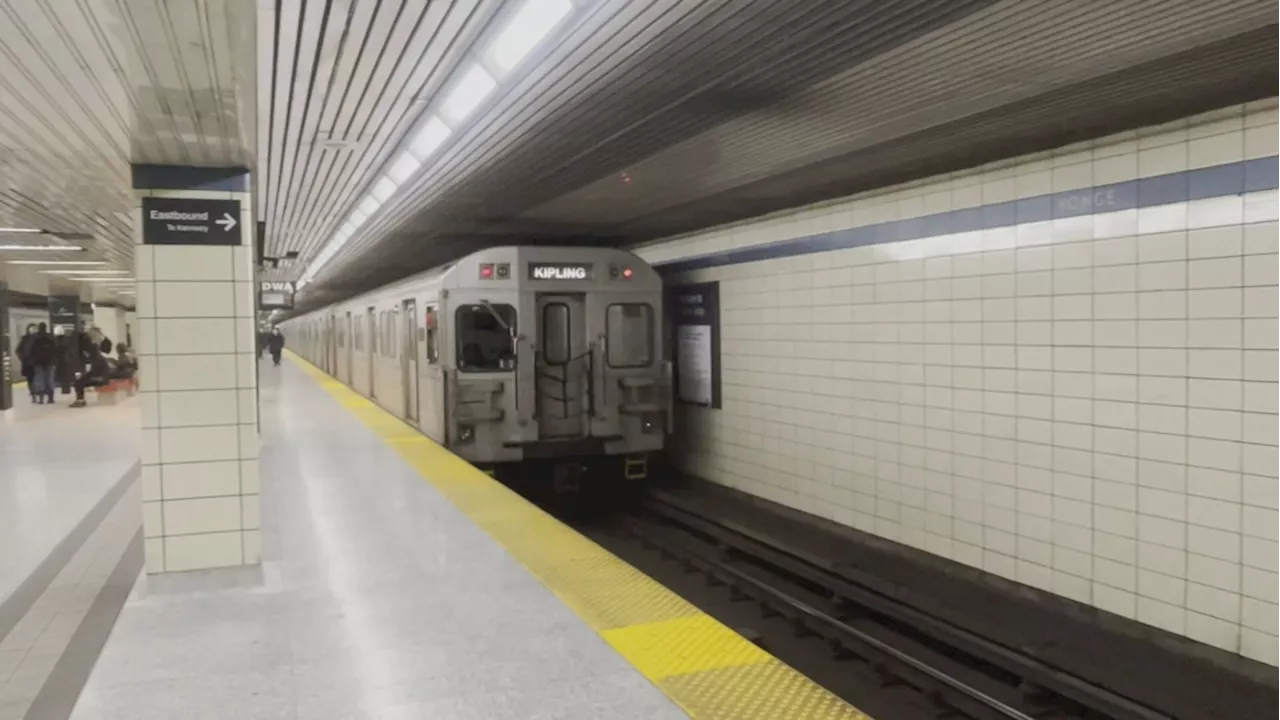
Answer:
(709, 670)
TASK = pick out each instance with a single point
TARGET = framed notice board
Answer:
(694, 313)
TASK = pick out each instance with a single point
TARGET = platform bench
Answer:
(109, 394)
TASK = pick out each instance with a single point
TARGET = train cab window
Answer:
(629, 332)
(555, 334)
(484, 344)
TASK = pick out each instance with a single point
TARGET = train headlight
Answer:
(466, 433)
(650, 424)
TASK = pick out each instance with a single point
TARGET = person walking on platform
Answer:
(276, 344)
(44, 359)
(23, 351)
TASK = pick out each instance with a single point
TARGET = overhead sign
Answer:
(275, 295)
(183, 221)
(559, 271)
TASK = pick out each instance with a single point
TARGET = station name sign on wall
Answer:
(185, 221)
(275, 295)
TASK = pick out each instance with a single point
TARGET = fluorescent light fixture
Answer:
(347, 229)
(19, 230)
(57, 262)
(86, 272)
(63, 248)
(466, 96)
(357, 219)
(383, 189)
(404, 167)
(117, 281)
(530, 24)
(431, 136)
(370, 205)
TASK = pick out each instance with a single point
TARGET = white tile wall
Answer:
(195, 340)
(1087, 405)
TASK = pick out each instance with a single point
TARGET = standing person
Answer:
(68, 355)
(276, 344)
(44, 358)
(23, 351)
(92, 366)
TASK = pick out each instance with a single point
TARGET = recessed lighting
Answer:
(57, 262)
(85, 272)
(63, 248)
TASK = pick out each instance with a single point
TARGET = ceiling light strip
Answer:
(477, 79)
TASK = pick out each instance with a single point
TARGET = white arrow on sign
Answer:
(226, 221)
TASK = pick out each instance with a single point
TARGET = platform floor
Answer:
(56, 463)
(377, 598)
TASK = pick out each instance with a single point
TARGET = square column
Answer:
(196, 342)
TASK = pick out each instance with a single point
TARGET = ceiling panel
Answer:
(718, 109)
(87, 88)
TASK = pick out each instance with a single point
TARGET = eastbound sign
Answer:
(275, 295)
(183, 221)
(559, 271)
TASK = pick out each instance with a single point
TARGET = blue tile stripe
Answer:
(1217, 181)
(183, 177)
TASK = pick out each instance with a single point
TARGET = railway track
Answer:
(914, 660)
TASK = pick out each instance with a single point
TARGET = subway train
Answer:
(514, 358)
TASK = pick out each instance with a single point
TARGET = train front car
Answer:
(559, 363)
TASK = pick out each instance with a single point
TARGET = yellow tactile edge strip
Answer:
(707, 669)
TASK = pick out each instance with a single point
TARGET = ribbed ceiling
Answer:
(653, 117)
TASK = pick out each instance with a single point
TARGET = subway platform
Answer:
(396, 582)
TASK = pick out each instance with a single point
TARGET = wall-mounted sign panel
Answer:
(559, 271)
(275, 295)
(695, 324)
(183, 221)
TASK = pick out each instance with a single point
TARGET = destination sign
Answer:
(559, 271)
(186, 221)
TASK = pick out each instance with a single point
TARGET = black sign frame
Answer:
(284, 288)
(588, 270)
(190, 221)
(694, 304)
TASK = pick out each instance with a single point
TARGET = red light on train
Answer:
(626, 272)
(486, 271)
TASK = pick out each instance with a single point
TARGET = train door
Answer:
(372, 349)
(563, 371)
(411, 349)
(350, 343)
(432, 385)
(333, 345)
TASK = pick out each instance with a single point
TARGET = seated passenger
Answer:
(125, 365)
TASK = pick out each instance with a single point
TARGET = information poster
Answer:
(695, 323)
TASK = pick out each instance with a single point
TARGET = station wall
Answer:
(1060, 370)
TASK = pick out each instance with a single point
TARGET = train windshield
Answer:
(630, 335)
(484, 344)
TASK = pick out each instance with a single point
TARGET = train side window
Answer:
(484, 345)
(433, 348)
(629, 331)
(556, 345)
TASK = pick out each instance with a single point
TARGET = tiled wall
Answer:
(195, 338)
(1060, 370)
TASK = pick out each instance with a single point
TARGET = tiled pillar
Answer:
(195, 341)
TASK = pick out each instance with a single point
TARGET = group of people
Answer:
(70, 361)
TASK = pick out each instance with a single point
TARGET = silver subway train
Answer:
(510, 356)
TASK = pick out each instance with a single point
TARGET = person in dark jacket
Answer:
(68, 356)
(276, 344)
(23, 351)
(92, 365)
(44, 359)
